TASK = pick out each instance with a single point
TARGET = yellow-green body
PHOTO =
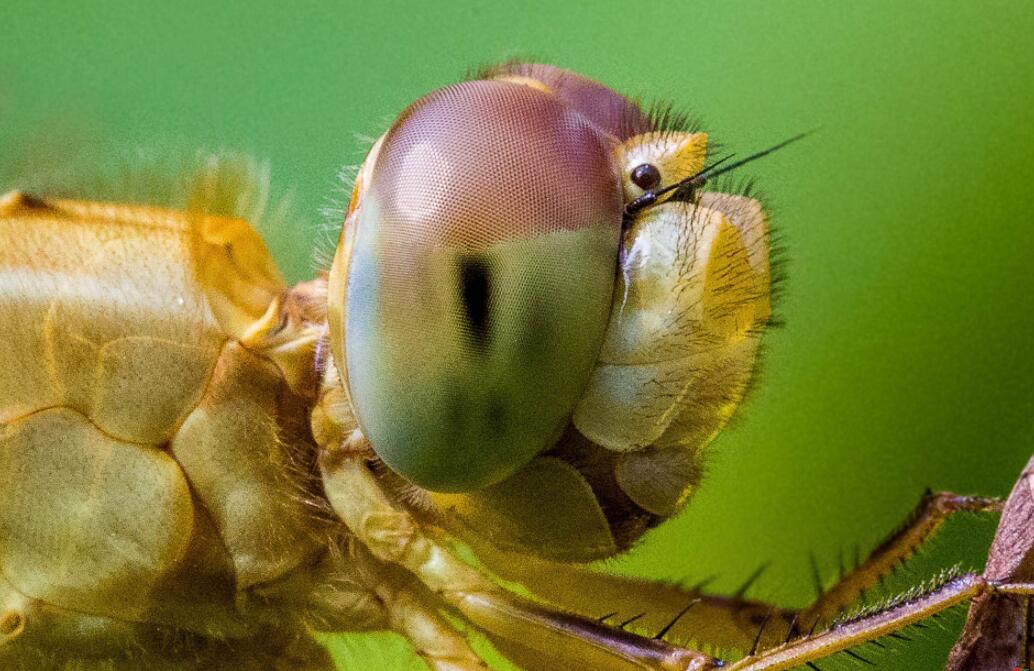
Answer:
(185, 484)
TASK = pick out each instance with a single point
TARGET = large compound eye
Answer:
(479, 281)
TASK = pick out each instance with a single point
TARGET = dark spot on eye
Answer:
(475, 285)
(646, 176)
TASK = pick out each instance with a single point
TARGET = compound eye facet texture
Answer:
(479, 282)
(601, 104)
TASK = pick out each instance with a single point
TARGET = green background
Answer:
(905, 361)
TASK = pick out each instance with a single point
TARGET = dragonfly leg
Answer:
(998, 630)
(854, 632)
(924, 522)
(395, 537)
(414, 615)
(727, 622)
(684, 613)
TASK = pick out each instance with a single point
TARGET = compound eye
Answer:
(646, 176)
(479, 282)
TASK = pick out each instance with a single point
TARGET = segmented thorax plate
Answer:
(145, 455)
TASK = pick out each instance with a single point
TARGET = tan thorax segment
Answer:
(153, 383)
(251, 303)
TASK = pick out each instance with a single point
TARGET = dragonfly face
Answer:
(479, 265)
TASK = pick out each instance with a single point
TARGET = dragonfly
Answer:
(538, 315)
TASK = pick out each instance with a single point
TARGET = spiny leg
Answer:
(393, 536)
(919, 527)
(731, 621)
(843, 636)
(924, 522)
(997, 633)
(683, 613)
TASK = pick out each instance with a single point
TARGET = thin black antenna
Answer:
(706, 173)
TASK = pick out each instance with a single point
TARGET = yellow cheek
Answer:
(689, 308)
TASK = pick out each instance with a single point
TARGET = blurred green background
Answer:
(905, 361)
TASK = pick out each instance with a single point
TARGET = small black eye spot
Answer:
(646, 176)
(475, 287)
